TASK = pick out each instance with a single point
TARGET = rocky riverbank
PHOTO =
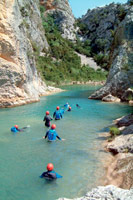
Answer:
(119, 176)
(120, 169)
(19, 101)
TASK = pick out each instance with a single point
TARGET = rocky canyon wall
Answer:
(121, 59)
(63, 17)
(21, 33)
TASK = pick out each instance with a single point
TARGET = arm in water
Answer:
(46, 135)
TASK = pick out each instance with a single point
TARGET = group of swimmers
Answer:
(51, 134)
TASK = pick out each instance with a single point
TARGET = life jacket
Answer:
(13, 129)
(52, 135)
(62, 111)
(66, 106)
(50, 175)
(58, 114)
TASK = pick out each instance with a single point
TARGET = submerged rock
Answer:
(109, 192)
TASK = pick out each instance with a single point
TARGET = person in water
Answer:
(69, 109)
(47, 119)
(62, 110)
(57, 114)
(66, 106)
(52, 134)
(50, 174)
(77, 105)
(15, 129)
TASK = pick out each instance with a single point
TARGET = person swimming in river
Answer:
(16, 129)
(57, 114)
(78, 106)
(66, 106)
(62, 110)
(52, 134)
(69, 109)
(47, 119)
(50, 174)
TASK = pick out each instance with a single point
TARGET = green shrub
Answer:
(102, 60)
(130, 97)
(121, 12)
(114, 131)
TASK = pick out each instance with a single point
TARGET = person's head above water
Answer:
(50, 166)
(47, 112)
(70, 108)
(53, 126)
(16, 126)
(57, 108)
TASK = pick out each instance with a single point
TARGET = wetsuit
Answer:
(78, 105)
(52, 135)
(50, 175)
(14, 129)
(47, 120)
(57, 115)
(66, 106)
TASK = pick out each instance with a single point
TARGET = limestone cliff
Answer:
(102, 22)
(63, 16)
(21, 34)
(121, 60)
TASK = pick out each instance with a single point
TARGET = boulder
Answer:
(110, 98)
(124, 121)
(122, 143)
(109, 192)
(128, 95)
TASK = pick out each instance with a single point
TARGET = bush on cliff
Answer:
(114, 131)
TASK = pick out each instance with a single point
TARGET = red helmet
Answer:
(57, 107)
(53, 126)
(70, 108)
(50, 166)
(47, 112)
(16, 126)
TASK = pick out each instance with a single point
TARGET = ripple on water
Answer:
(24, 156)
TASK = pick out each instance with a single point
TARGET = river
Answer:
(24, 156)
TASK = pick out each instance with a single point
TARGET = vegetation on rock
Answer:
(61, 62)
(114, 131)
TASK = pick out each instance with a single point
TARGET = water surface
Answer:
(24, 156)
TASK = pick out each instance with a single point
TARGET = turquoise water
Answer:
(24, 156)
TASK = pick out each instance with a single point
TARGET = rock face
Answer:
(102, 22)
(120, 169)
(121, 57)
(109, 192)
(124, 142)
(63, 17)
(21, 34)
